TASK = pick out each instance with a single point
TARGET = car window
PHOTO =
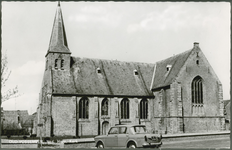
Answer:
(139, 129)
(113, 131)
(122, 130)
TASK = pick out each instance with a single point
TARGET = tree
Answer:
(5, 74)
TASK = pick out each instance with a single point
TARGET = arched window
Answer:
(56, 60)
(143, 109)
(104, 107)
(62, 64)
(197, 90)
(84, 108)
(125, 113)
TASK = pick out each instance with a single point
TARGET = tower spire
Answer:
(58, 41)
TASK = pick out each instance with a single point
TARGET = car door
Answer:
(112, 138)
(122, 137)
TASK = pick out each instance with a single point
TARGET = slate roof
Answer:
(116, 78)
(62, 82)
(162, 77)
(15, 112)
(58, 41)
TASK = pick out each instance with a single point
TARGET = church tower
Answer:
(58, 54)
(57, 61)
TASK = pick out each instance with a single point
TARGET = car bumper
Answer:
(152, 144)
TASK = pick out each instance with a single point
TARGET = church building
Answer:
(85, 96)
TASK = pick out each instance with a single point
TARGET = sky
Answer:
(125, 31)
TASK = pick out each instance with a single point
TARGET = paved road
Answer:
(207, 143)
(223, 142)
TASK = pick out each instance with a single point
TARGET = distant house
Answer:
(85, 96)
(17, 120)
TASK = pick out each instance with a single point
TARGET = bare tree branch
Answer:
(5, 74)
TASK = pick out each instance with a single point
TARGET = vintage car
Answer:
(128, 136)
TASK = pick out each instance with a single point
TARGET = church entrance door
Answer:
(105, 127)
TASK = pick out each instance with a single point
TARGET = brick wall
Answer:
(64, 116)
(169, 102)
(66, 121)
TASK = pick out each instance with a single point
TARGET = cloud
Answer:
(30, 68)
(92, 15)
(170, 18)
(133, 28)
(176, 17)
(89, 19)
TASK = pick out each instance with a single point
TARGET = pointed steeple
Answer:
(58, 42)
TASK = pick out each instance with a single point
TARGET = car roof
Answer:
(128, 125)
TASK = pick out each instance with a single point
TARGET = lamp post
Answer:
(41, 125)
(40, 139)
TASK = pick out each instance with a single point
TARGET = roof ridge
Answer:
(170, 71)
(190, 51)
(112, 60)
(114, 78)
(162, 77)
(177, 55)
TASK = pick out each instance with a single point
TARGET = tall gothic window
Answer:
(104, 107)
(125, 113)
(84, 108)
(197, 90)
(143, 109)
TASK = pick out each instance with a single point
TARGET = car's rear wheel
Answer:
(157, 146)
(100, 145)
(131, 145)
